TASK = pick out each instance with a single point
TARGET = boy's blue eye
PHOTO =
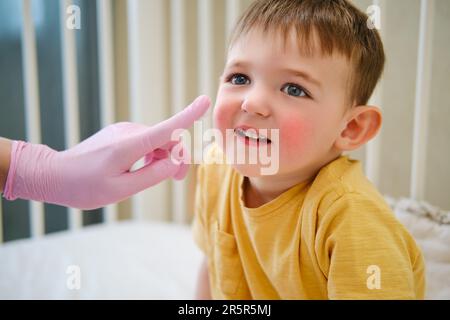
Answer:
(239, 79)
(294, 90)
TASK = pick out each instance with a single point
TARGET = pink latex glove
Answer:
(96, 172)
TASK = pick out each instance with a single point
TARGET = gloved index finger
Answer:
(161, 133)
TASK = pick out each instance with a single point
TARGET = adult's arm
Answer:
(99, 170)
(5, 158)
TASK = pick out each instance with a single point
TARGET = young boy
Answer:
(317, 228)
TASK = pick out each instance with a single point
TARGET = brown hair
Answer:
(339, 26)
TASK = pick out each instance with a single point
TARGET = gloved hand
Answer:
(96, 172)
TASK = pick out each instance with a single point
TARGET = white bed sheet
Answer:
(434, 240)
(127, 260)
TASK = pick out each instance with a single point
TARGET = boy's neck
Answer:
(258, 191)
(261, 190)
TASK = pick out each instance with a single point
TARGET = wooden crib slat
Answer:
(179, 97)
(422, 100)
(32, 107)
(373, 149)
(148, 68)
(206, 52)
(106, 79)
(70, 93)
(232, 13)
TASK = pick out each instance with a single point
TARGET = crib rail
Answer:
(422, 101)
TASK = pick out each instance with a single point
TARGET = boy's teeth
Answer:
(251, 134)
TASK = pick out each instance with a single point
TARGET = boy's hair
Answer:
(339, 26)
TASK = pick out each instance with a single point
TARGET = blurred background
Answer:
(69, 68)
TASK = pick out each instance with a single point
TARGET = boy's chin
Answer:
(250, 170)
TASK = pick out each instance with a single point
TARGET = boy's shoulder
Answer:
(342, 198)
(342, 182)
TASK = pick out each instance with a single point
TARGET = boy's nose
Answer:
(256, 103)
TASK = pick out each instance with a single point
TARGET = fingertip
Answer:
(203, 99)
(202, 103)
(167, 130)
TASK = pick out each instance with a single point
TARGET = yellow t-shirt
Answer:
(333, 237)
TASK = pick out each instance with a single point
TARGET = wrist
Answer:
(31, 173)
(5, 161)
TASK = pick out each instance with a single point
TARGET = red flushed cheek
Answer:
(295, 137)
(222, 118)
(223, 121)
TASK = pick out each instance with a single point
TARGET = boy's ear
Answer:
(362, 124)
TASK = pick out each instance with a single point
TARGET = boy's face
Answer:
(265, 85)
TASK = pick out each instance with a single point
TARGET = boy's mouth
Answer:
(251, 134)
